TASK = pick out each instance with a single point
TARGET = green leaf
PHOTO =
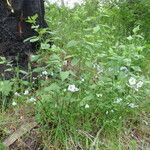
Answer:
(75, 61)
(45, 46)
(130, 38)
(72, 43)
(136, 29)
(52, 87)
(5, 87)
(2, 60)
(34, 57)
(34, 39)
(96, 29)
(64, 75)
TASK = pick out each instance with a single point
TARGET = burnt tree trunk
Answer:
(14, 29)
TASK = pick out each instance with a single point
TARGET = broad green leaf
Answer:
(64, 75)
(72, 43)
(52, 87)
(45, 46)
(5, 87)
(96, 29)
(75, 61)
(34, 39)
(136, 29)
(34, 57)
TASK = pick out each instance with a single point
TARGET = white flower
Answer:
(132, 81)
(32, 99)
(17, 94)
(139, 84)
(34, 78)
(123, 68)
(132, 105)
(72, 88)
(82, 80)
(99, 95)
(118, 100)
(107, 112)
(87, 106)
(112, 111)
(45, 73)
(26, 92)
(14, 103)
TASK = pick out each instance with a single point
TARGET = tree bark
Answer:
(14, 29)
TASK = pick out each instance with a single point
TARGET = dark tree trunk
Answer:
(14, 29)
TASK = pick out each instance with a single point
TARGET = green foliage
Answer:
(99, 64)
(132, 13)
(92, 81)
(5, 87)
(2, 147)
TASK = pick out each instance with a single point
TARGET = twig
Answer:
(18, 133)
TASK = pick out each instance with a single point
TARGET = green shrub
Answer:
(91, 81)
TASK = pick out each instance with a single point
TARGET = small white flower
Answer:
(107, 112)
(118, 100)
(99, 95)
(139, 84)
(32, 99)
(123, 68)
(112, 111)
(132, 81)
(45, 73)
(72, 88)
(17, 94)
(87, 106)
(34, 78)
(82, 80)
(132, 105)
(14, 103)
(26, 92)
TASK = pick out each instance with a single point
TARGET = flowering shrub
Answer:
(91, 78)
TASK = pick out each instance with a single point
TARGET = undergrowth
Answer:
(90, 89)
